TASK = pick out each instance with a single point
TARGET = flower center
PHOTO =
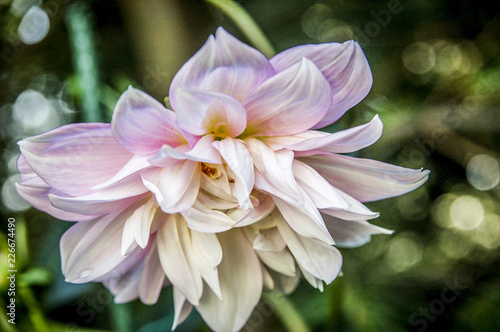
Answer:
(220, 131)
(211, 172)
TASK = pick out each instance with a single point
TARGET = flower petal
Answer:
(175, 187)
(344, 66)
(37, 192)
(201, 152)
(182, 308)
(201, 112)
(223, 64)
(203, 219)
(208, 254)
(82, 247)
(274, 175)
(318, 258)
(241, 285)
(176, 257)
(288, 103)
(142, 125)
(344, 141)
(365, 179)
(349, 233)
(239, 160)
(153, 277)
(74, 158)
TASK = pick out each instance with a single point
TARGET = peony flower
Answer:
(230, 192)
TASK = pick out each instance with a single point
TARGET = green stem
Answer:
(287, 313)
(34, 311)
(79, 23)
(247, 25)
(6, 326)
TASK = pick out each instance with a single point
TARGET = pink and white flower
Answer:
(231, 191)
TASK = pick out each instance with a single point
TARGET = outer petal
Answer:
(201, 112)
(223, 64)
(182, 308)
(239, 160)
(344, 66)
(37, 192)
(288, 103)
(83, 245)
(365, 179)
(75, 157)
(349, 233)
(142, 125)
(153, 277)
(344, 141)
(241, 285)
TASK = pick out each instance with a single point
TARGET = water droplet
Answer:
(85, 273)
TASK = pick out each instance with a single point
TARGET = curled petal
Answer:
(74, 158)
(203, 152)
(201, 112)
(142, 125)
(175, 187)
(365, 179)
(223, 64)
(182, 308)
(288, 103)
(344, 66)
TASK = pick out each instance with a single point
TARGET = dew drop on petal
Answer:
(84, 273)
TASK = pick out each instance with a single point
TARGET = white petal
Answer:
(241, 285)
(348, 233)
(208, 254)
(182, 308)
(176, 257)
(239, 160)
(320, 259)
(364, 179)
(152, 278)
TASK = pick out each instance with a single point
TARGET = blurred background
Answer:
(436, 68)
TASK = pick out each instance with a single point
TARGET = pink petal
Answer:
(364, 179)
(106, 200)
(142, 125)
(344, 66)
(223, 64)
(37, 192)
(203, 152)
(239, 160)
(288, 103)
(241, 285)
(343, 141)
(74, 158)
(202, 112)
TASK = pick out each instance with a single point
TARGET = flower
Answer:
(231, 191)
